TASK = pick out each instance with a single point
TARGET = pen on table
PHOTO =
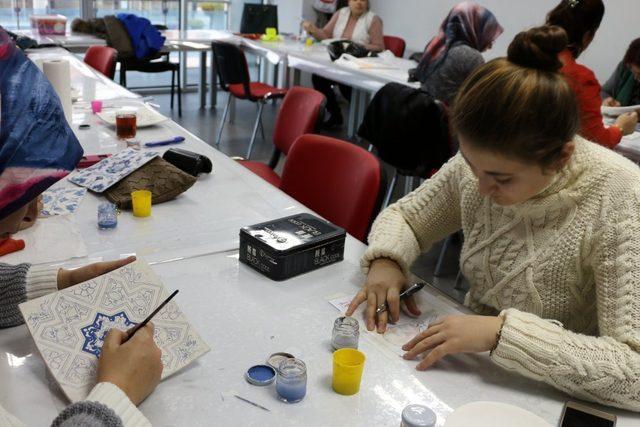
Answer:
(176, 140)
(142, 324)
(251, 403)
(405, 294)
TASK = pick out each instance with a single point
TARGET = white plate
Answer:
(616, 111)
(145, 115)
(493, 414)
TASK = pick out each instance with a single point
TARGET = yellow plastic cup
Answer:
(271, 32)
(141, 200)
(348, 364)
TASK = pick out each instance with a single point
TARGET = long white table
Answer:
(245, 317)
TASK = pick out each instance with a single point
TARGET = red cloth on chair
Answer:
(8, 246)
(587, 89)
(258, 90)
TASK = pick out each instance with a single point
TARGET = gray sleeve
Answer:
(87, 414)
(609, 88)
(461, 61)
(13, 291)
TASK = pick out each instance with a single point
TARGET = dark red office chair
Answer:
(395, 44)
(340, 181)
(298, 115)
(233, 73)
(102, 59)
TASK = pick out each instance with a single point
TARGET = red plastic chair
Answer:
(298, 115)
(340, 181)
(395, 44)
(233, 72)
(102, 59)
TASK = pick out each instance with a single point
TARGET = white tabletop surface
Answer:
(245, 317)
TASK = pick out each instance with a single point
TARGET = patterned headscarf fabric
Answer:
(467, 23)
(37, 146)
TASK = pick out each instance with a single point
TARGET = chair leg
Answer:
(179, 95)
(408, 184)
(224, 119)
(255, 130)
(173, 82)
(392, 187)
(262, 129)
(438, 270)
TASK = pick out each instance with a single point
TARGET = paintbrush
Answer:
(142, 324)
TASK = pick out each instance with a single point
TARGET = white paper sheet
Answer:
(397, 334)
(69, 326)
(49, 240)
(617, 111)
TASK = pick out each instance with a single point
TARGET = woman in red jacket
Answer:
(581, 19)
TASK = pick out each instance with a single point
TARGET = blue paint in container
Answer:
(260, 375)
(292, 380)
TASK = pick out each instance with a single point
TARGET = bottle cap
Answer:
(418, 416)
(260, 375)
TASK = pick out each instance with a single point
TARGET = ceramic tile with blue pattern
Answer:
(103, 175)
(61, 201)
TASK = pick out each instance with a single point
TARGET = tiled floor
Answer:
(235, 139)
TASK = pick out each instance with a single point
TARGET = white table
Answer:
(315, 59)
(245, 317)
(79, 43)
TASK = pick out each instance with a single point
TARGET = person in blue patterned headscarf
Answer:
(37, 146)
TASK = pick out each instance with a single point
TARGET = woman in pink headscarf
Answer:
(455, 52)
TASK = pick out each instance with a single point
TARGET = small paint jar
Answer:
(346, 332)
(291, 382)
(418, 416)
(107, 216)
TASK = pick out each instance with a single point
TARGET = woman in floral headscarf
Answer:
(37, 149)
(455, 52)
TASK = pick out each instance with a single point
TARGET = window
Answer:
(14, 14)
(210, 15)
(163, 12)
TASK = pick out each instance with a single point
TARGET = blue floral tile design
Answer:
(61, 201)
(95, 333)
(103, 175)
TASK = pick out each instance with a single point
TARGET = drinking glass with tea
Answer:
(126, 124)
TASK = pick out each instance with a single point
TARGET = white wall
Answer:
(418, 20)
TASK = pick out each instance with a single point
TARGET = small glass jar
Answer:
(126, 122)
(418, 416)
(291, 381)
(107, 216)
(346, 332)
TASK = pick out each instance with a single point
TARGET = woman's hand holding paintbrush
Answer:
(131, 359)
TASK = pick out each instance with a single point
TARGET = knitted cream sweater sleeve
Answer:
(604, 369)
(410, 226)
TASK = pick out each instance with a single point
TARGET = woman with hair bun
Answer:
(581, 19)
(551, 227)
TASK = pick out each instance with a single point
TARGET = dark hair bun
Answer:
(539, 48)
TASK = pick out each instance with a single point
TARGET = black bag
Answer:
(256, 18)
(338, 47)
(188, 161)
(409, 129)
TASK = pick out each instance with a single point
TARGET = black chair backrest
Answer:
(256, 18)
(231, 64)
(409, 129)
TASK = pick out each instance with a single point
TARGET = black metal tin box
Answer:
(293, 245)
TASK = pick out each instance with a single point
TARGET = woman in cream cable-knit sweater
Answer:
(552, 235)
